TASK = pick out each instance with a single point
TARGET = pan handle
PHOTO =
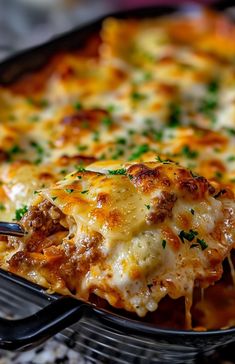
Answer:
(26, 333)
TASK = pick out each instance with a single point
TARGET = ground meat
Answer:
(44, 217)
(66, 161)
(161, 207)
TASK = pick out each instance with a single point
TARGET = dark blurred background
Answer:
(24, 23)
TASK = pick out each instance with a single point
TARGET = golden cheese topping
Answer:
(141, 136)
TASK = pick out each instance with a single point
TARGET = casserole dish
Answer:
(63, 311)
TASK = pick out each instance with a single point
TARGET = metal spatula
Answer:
(11, 228)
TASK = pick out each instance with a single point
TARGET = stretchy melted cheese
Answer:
(119, 160)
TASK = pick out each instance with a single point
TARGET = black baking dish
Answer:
(143, 342)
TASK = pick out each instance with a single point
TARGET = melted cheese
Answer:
(165, 94)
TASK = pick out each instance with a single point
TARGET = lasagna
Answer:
(118, 159)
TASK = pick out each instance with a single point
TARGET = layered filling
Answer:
(131, 235)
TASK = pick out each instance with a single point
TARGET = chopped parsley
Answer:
(54, 198)
(121, 140)
(43, 103)
(2, 207)
(164, 243)
(137, 96)
(213, 86)
(174, 115)
(202, 243)
(111, 108)
(190, 235)
(144, 148)
(39, 149)
(231, 158)
(84, 191)
(96, 136)
(188, 153)
(148, 207)
(69, 190)
(81, 148)
(80, 169)
(19, 213)
(77, 105)
(210, 102)
(131, 131)
(155, 134)
(230, 131)
(163, 161)
(63, 171)
(118, 153)
(193, 246)
(218, 175)
(15, 149)
(107, 121)
(120, 171)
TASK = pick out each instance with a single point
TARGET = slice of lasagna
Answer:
(131, 234)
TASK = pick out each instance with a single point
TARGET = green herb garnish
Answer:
(2, 207)
(96, 136)
(210, 102)
(164, 243)
(120, 171)
(19, 213)
(174, 115)
(81, 148)
(144, 148)
(107, 121)
(77, 105)
(218, 174)
(202, 243)
(69, 190)
(163, 161)
(230, 131)
(190, 235)
(137, 96)
(37, 147)
(188, 153)
(118, 153)
(121, 140)
(80, 169)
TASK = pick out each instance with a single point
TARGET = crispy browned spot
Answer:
(197, 186)
(144, 177)
(78, 159)
(171, 238)
(84, 118)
